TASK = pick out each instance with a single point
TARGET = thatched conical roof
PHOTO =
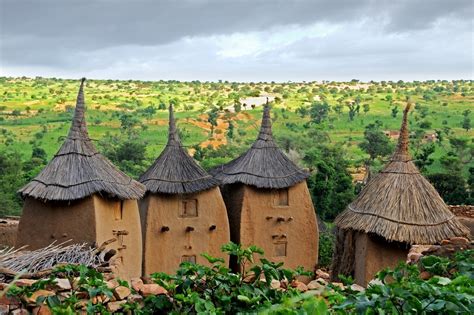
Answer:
(175, 171)
(399, 204)
(78, 170)
(264, 165)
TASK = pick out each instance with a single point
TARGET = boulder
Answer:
(121, 292)
(152, 289)
(115, 306)
(62, 284)
(315, 285)
(32, 299)
(322, 274)
(137, 284)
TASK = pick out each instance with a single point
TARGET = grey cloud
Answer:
(120, 38)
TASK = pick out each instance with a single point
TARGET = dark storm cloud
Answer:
(71, 34)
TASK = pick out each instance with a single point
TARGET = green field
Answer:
(37, 113)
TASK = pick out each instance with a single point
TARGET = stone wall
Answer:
(463, 210)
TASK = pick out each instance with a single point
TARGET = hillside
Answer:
(36, 113)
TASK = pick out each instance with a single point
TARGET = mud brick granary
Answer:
(81, 196)
(183, 213)
(397, 208)
(268, 202)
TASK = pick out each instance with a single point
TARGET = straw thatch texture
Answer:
(78, 170)
(399, 204)
(175, 171)
(264, 165)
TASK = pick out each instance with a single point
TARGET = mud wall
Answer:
(287, 233)
(171, 236)
(120, 220)
(43, 223)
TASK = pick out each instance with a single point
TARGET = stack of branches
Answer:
(39, 263)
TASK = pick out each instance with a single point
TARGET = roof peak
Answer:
(401, 152)
(173, 135)
(266, 126)
(78, 128)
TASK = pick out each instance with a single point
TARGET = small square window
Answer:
(118, 211)
(188, 258)
(281, 198)
(280, 249)
(188, 208)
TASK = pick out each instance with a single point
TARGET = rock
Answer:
(425, 275)
(358, 288)
(32, 299)
(339, 285)
(322, 274)
(152, 289)
(121, 292)
(414, 257)
(135, 298)
(445, 242)
(375, 282)
(431, 249)
(300, 286)
(459, 241)
(81, 304)
(24, 282)
(4, 309)
(315, 285)
(20, 311)
(62, 284)
(275, 284)
(115, 306)
(42, 310)
(112, 284)
(137, 284)
(322, 281)
(10, 300)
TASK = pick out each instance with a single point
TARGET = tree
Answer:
(466, 122)
(375, 144)
(394, 111)
(318, 112)
(11, 180)
(352, 111)
(422, 158)
(212, 119)
(331, 184)
(451, 187)
(366, 108)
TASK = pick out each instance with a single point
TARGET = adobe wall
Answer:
(43, 223)
(8, 232)
(120, 220)
(267, 225)
(374, 254)
(163, 250)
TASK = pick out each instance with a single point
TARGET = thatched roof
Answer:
(399, 204)
(78, 170)
(264, 165)
(175, 171)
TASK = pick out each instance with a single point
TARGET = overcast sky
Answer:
(238, 40)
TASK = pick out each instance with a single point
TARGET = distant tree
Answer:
(230, 130)
(318, 112)
(352, 110)
(375, 143)
(466, 122)
(212, 119)
(366, 108)
(394, 111)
